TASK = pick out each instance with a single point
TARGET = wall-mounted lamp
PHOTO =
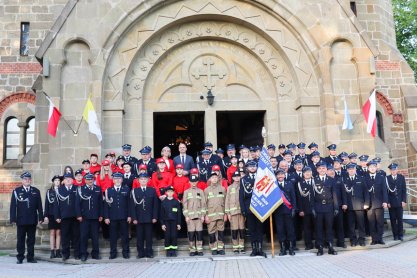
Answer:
(210, 98)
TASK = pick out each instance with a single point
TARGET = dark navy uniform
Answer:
(204, 168)
(70, 227)
(128, 179)
(254, 226)
(89, 206)
(143, 205)
(151, 166)
(170, 216)
(378, 195)
(116, 209)
(397, 193)
(304, 195)
(325, 208)
(357, 197)
(50, 203)
(283, 217)
(340, 191)
(26, 212)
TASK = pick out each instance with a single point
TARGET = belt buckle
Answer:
(323, 202)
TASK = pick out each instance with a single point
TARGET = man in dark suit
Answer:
(183, 158)
(65, 214)
(26, 211)
(397, 200)
(146, 160)
(204, 165)
(144, 212)
(89, 211)
(358, 201)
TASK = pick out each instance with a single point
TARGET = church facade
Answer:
(163, 72)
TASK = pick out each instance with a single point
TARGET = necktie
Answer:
(395, 178)
(206, 162)
(253, 176)
(117, 189)
(27, 189)
(308, 182)
(126, 176)
(373, 178)
(182, 160)
(143, 189)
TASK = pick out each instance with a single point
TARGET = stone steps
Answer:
(42, 252)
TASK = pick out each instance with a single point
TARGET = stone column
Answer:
(210, 126)
(22, 142)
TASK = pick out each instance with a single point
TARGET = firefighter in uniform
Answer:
(397, 199)
(116, 215)
(89, 211)
(304, 195)
(284, 215)
(215, 195)
(325, 208)
(255, 226)
(379, 198)
(143, 205)
(26, 212)
(194, 210)
(170, 221)
(357, 201)
(65, 213)
(234, 214)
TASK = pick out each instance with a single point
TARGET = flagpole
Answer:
(271, 226)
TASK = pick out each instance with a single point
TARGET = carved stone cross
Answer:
(209, 72)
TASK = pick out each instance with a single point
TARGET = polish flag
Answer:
(53, 118)
(369, 112)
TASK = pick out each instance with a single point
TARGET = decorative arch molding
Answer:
(138, 35)
(397, 118)
(27, 97)
(286, 78)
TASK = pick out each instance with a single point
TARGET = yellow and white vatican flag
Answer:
(90, 116)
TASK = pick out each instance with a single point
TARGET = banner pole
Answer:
(272, 236)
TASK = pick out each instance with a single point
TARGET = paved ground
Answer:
(398, 261)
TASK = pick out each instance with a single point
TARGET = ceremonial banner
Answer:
(266, 195)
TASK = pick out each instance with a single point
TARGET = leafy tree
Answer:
(405, 17)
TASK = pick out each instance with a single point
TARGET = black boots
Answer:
(260, 251)
(254, 249)
(291, 249)
(52, 254)
(282, 251)
(331, 249)
(320, 251)
(58, 253)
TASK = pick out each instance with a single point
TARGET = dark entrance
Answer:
(240, 127)
(172, 128)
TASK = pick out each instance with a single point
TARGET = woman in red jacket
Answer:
(161, 178)
(118, 167)
(166, 154)
(143, 169)
(105, 180)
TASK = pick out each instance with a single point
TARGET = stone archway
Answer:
(295, 91)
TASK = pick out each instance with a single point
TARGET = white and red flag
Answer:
(369, 112)
(53, 118)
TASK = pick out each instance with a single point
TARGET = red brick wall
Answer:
(7, 187)
(8, 68)
(385, 65)
(15, 98)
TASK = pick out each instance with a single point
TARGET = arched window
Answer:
(30, 134)
(380, 125)
(12, 138)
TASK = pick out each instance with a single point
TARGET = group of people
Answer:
(323, 195)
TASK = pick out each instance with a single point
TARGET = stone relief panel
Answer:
(189, 71)
(207, 69)
(280, 35)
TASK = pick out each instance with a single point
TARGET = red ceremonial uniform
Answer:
(105, 183)
(162, 183)
(230, 172)
(95, 168)
(170, 166)
(180, 184)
